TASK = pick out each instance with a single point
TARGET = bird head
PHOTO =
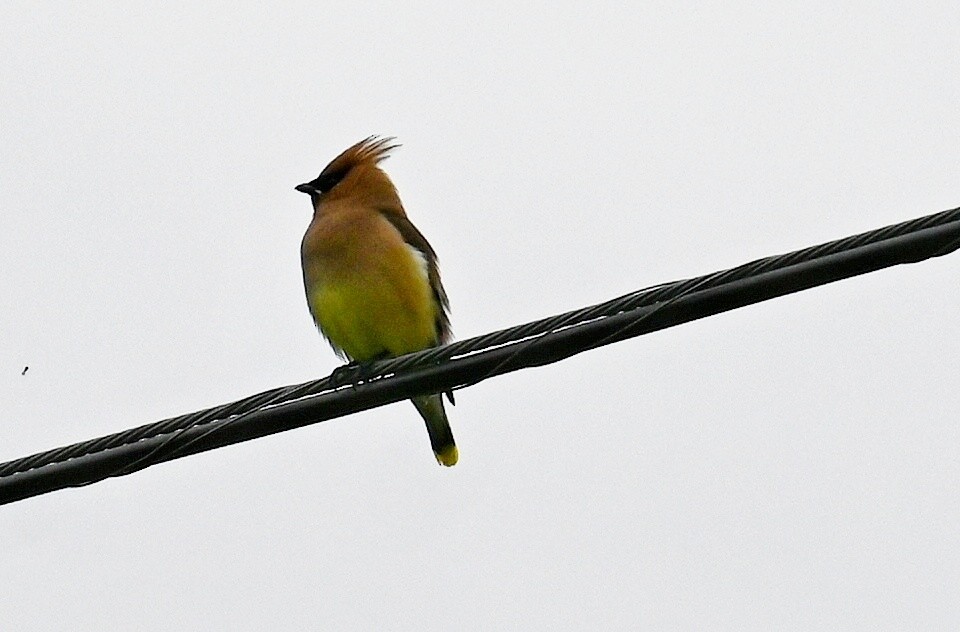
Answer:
(354, 172)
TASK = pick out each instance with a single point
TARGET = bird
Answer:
(371, 278)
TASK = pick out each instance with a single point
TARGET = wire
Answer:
(351, 389)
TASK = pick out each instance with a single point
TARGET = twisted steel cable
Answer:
(468, 362)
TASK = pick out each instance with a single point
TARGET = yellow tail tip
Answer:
(448, 456)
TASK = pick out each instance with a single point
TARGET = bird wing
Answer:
(415, 238)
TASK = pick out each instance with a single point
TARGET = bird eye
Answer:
(326, 181)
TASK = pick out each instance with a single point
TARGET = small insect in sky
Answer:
(24, 371)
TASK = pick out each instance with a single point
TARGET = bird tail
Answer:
(441, 437)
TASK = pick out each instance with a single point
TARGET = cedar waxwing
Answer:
(371, 278)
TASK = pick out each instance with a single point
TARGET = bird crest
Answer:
(369, 151)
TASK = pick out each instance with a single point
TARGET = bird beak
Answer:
(306, 188)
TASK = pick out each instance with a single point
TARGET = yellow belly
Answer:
(369, 318)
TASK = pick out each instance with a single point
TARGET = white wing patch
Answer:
(422, 265)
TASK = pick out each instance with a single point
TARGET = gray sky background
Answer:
(792, 465)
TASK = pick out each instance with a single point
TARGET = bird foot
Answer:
(344, 374)
(353, 371)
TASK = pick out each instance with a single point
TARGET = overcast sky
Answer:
(790, 465)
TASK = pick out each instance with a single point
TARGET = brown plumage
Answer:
(372, 281)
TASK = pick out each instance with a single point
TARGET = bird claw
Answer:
(354, 371)
(344, 374)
